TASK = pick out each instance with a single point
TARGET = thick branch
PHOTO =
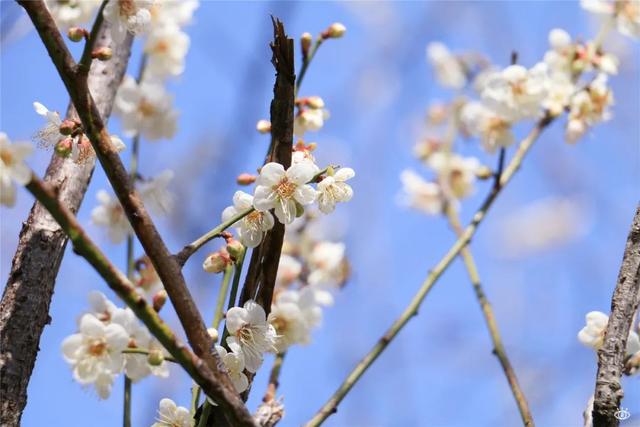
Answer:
(331, 406)
(611, 355)
(168, 269)
(117, 281)
(42, 243)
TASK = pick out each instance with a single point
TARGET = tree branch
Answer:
(42, 243)
(331, 406)
(624, 304)
(117, 281)
(168, 269)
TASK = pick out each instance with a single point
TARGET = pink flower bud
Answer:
(64, 147)
(159, 299)
(305, 43)
(315, 102)
(246, 179)
(263, 126)
(335, 31)
(67, 127)
(235, 248)
(217, 261)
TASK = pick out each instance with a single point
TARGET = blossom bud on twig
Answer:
(335, 31)
(246, 179)
(217, 261)
(155, 358)
(102, 54)
(64, 147)
(76, 34)
(263, 126)
(235, 248)
(484, 172)
(67, 127)
(159, 299)
(213, 333)
(305, 44)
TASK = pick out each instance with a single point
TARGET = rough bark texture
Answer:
(24, 310)
(611, 356)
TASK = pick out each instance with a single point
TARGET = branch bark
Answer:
(624, 304)
(168, 269)
(24, 310)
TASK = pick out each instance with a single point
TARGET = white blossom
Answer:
(127, 16)
(12, 168)
(146, 109)
(589, 107)
(456, 174)
(155, 194)
(559, 94)
(592, 335)
(172, 415)
(515, 92)
(101, 307)
(95, 353)
(248, 328)
(571, 58)
(449, 69)
(50, 134)
(252, 227)
(283, 190)
(309, 120)
(234, 362)
(333, 189)
(289, 270)
(176, 12)
(327, 264)
(70, 13)
(493, 130)
(420, 194)
(626, 13)
(288, 320)
(166, 47)
(110, 214)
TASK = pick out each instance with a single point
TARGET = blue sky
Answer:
(377, 85)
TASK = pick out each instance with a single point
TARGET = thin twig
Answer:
(492, 325)
(117, 281)
(331, 405)
(611, 355)
(126, 417)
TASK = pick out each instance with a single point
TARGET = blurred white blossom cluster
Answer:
(592, 335)
(13, 170)
(96, 353)
(572, 78)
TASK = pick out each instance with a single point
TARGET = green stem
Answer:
(126, 422)
(307, 61)
(204, 416)
(411, 310)
(234, 289)
(195, 399)
(222, 296)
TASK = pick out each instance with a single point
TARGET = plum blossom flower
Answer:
(559, 95)
(127, 16)
(248, 328)
(110, 214)
(493, 130)
(588, 107)
(155, 194)
(626, 13)
(50, 134)
(177, 12)
(515, 92)
(592, 335)
(309, 120)
(327, 264)
(289, 270)
(101, 307)
(146, 109)
(333, 189)
(420, 194)
(456, 174)
(166, 47)
(12, 168)
(172, 415)
(288, 320)
(571, 58)
(449, 69)
(284, 190)
(95, 353)
(252, 227)
(70, 13)
(234, 362)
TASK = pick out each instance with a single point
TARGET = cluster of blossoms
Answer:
(96, 353)
(572, 78)
(12, 168)
(592, 335)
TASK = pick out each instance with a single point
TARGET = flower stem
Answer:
(126, 422)
(487, 311)
(222, 296)
(412, 309)
(195, 399)
(306, 61)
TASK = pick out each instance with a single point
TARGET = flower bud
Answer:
(64, 147)
(155, 358)
(315, 102)
(484, 172)
(217, 261)
(235, 248)
(76, 34)
(246, 179)
(213, 333)
(67, 127)
(263, 126)
(159, 299)
(335, 31)
(102, 54)
(305, 43)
